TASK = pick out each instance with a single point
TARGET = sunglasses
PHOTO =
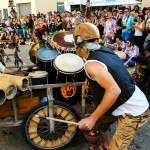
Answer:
(125, 11)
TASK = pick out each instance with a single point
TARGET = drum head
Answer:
(63, 41)
(38, 74)
(69, 63)
(46, 54)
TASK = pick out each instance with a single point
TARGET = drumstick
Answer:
(58, 120)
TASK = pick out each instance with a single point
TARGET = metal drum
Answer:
(45, 57)
(69, 69)
(63, 42)
(38, 77)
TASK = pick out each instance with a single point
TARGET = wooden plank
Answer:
(10, 123)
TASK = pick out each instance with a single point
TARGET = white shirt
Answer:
(135, 105)
(137, 31)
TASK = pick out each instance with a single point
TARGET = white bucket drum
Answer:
(69, 69)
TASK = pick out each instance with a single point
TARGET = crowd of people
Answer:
(118, 26)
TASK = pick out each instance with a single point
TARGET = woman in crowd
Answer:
(138, 33)
(24, 25)
(58, 23)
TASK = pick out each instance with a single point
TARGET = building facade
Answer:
(25, 7)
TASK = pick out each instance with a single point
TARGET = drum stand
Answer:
(49, 88)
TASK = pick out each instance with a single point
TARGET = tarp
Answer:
(101, 2)
(113, 2)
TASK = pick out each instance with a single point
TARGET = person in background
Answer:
(119, 24)
(29, 40)
(45, 35)
(146, 45)
(21, 40)
(79, 19)
(73, 20)
(110, 26)
(68, 22)
(116, 96)
(24, 25)
(127, 21)
(130, 51)
(120, 43)
(58, 23)
(115, 14)
(101, 26)
(138, 33)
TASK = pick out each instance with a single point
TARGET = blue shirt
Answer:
(127, 21)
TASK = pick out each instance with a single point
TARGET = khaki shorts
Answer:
(126, 127)
(125, 130)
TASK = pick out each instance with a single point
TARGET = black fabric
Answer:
(119, 73)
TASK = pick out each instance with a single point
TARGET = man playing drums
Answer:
(115, 94)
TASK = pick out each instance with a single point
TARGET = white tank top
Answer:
(137, 31)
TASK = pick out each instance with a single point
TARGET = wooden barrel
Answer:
(22, 83)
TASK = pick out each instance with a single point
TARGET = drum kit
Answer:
(58, 67)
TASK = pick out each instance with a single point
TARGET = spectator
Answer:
(119, 24)
(73, 20)
(110, 27)
(41, 25)
(127, 25)
(68, 21)
(30, 23)
(120, 43)
(29, 40)
(101, 25)
(45, 35)
(130, 51)
(21, 40)
(24, 26)
(79, 19)
(63, 20)
(58, 23)
(115, 14)
(138, 34)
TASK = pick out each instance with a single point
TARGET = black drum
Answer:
(45, 57)
(69, 69)
(38, 77)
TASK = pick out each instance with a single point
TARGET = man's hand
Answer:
(87, 123)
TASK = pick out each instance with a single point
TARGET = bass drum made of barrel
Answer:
(69, 70)
(37, 133)
(63, 42)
